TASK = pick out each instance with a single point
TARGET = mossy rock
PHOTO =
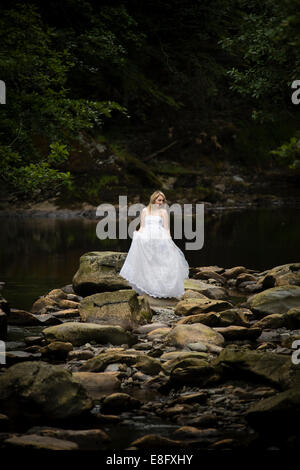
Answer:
(122, 307)
(80, 333)
(182, 335)
(99, 272)
(36, 390)
(275, 300)
(275, 369)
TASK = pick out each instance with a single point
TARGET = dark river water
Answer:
(39, 254)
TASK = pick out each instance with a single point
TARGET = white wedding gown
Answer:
(155, 265)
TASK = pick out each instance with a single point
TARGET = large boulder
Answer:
(99, 272)
(80, 333)
(37, 391)
(275, 300)
(123, 307)
(181, 335)
(275, 369)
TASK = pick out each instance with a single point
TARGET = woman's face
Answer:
(159, 200)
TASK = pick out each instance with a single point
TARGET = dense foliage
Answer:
(184, 64)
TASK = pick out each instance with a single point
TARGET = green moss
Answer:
(145, 314)
(105, 269)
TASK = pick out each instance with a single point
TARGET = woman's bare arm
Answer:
(142, 223)
(166, 224)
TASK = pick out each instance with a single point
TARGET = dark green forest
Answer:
(107, 95)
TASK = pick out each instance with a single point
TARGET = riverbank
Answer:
(230, 189)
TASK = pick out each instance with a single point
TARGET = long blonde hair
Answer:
(153, 197)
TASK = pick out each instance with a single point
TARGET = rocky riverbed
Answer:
(94, 366)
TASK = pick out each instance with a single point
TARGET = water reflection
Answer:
(38, 254)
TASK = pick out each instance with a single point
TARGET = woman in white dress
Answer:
(155, 265)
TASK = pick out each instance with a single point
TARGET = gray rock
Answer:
(99, 272)
(98, 384)
(80, 333)
(37, 390)
(275, 369)
(199, 346)
(275, 300)
(37, 442)
(123, 307)
(86, 439)
(210, 291)
(182, 335)
(193, 306)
